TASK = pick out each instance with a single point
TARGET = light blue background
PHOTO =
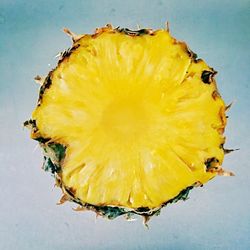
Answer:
(215, 217)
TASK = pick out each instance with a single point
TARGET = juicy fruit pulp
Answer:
(139, 117)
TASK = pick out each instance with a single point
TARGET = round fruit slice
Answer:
(129, 121)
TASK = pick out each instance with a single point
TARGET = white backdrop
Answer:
(215, 217)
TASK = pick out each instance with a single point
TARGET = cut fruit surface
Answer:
(138, 116)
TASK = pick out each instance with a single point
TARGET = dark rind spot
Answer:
(142, 209)
(58, 154)
(42, 139)
(110, 212)
(211, 163)
(59, 150)
(134, 32)
(49, 166)
(30, 124)
(207, 76)
(191, 54)
(45, 86)
(197, 60)
(183, 195)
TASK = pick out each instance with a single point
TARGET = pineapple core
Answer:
(136, 117)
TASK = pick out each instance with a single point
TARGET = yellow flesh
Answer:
(137, 120)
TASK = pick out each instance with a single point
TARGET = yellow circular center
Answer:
(124, 118)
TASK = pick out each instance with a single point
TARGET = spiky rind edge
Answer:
(208, 75)
(53, 156)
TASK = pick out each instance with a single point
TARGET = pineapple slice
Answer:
(129, 121)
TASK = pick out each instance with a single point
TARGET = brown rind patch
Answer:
(223, 116)
(216, 95)
(207, 76)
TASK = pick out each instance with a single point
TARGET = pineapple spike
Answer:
(146, 219)
(39, 79)
(58, 55)
(167, 26)
(109, 25)
(198, 184)
(129, 217)
(97, 215)
(224, 172)
(79, 209)
(228, 151)
(56, 185)
(35, 148)
(63, 199)
(57, 181)
(220, 171)
(229, 106)
(73, 35)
